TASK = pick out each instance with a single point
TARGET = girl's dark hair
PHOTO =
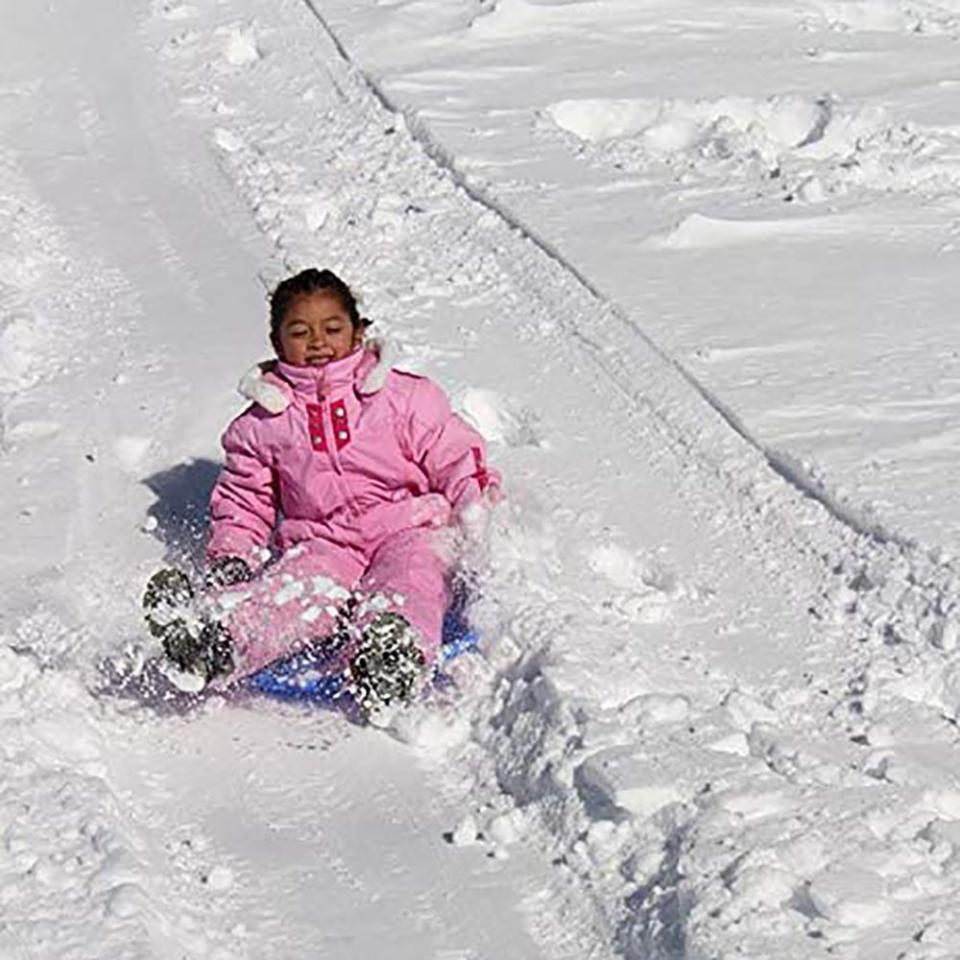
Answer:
(309, 281)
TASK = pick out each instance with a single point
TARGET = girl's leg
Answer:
(411, 576)
(293, 602)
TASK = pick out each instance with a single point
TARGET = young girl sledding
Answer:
(349, 470)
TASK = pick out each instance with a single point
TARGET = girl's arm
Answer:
(452, 453)
(243, 508)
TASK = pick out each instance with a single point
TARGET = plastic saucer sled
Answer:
(317, 674)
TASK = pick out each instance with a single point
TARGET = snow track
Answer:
(715, 715)
(782, 464)
(126, 829)
(623, 818)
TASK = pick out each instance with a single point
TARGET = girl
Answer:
(349, 469)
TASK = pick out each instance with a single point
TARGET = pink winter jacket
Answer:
(350, 453)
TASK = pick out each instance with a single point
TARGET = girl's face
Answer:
(315, 330)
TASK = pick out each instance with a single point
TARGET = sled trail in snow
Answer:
(307, 837)
(134, 304)
(717, 666)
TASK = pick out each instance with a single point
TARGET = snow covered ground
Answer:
(768, 189)
(688, 280)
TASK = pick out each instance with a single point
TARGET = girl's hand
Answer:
(227, 572)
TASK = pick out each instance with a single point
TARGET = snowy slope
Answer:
(768, 188)
(132, 304)
(712, 717)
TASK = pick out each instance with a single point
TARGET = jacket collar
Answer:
(273, 385)
(334, 377)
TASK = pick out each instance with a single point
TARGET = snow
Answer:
(241, 48)
(649, 145)
(691, 268)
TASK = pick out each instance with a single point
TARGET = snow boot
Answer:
(167, 602)
(388, 667)
(201, 648)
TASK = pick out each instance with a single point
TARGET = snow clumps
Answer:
(240, 47)
(812, 147)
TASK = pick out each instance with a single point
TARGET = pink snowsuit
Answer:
(348, 469)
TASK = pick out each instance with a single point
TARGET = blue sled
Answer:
(317, 675)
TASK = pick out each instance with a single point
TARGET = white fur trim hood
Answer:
(274, 400)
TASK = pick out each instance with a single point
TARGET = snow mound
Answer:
(672, 126)
(699, 232)
(889, 16)
(240, 47)
(809, 148)
(597, 120)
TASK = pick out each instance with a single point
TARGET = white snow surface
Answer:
(767, 189)
(692, 268)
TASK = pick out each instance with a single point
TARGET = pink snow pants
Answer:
(296, 600)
